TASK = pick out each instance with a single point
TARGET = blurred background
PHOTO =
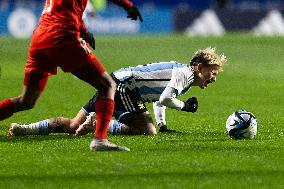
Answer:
(190, 17)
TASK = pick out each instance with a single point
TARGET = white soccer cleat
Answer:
(17, 130)
(88, 126)
(104, 145)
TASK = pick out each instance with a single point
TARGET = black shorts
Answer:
(126, 101)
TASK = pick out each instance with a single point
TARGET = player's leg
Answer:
(138, 124)
(33, 86)
(104, 107)
(89, 126)
(78, 59)
(104, 104)
(6, 109)
(36, 76)
(83, 64)
(132, 113)
(52, 125)
(129, 124)
(65, 125)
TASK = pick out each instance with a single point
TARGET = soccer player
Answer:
(160, 83)
(58, 40)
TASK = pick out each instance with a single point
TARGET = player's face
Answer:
(207, 75)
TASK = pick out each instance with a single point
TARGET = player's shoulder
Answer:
(163, 62)
(182, 68)
(167, 64)
(185, 72)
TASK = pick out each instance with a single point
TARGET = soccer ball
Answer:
(241, 125)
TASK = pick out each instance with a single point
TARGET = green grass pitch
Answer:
(200, 155)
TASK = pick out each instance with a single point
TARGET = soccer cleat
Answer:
(104, 145)
(39, 128)
(88, 126)
(17, 130)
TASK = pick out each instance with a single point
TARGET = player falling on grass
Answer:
(58, 40)
(160, 83)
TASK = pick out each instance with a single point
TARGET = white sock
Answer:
(38, 128)
(114, 127)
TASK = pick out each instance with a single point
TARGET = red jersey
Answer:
(61, 23)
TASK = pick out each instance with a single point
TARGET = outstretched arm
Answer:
(130, 8)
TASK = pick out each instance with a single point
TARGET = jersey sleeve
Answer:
(181, 79)
(168, 99)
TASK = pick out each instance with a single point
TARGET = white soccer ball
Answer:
(241, 125)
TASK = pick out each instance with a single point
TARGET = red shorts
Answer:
(76, 58)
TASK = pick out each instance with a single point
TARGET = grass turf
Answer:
(200, 155)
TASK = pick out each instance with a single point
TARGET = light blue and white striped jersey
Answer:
(150, 80)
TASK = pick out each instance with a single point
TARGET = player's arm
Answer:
(168, 99)
(87, 36)
(160, 117)
(130, 8)
(180, 80)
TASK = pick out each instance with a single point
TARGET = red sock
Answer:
(104, 110)
(6, 109)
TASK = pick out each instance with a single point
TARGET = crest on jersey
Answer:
(140, 105)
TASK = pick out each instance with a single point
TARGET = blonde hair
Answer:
(209, 57)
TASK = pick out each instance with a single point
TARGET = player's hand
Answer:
(89, 38)
(164, 129)
(191, 105)
(133, 13)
